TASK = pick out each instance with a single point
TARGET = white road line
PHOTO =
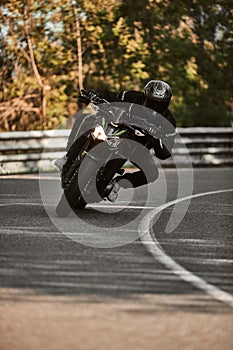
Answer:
(30, 177)
(120, 206)
(91, 206)
(153, 246)
(21, 203)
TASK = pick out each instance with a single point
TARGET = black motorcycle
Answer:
(99, 152)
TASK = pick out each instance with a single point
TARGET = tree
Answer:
(201, 53)
(27, 19)
(30, 50)
(50, 49)
(76, 17)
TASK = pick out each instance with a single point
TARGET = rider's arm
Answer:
(162, 151)
(163, 147)
(130, 96)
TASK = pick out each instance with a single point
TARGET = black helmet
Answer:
(157, 95)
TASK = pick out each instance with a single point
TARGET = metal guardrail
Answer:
(31, 151)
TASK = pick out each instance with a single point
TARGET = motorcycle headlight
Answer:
(113, 142)
(99, 134)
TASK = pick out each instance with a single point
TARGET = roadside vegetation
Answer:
(50, 49)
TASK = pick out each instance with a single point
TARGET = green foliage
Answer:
(187, 43)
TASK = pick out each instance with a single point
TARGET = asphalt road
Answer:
(183, 277)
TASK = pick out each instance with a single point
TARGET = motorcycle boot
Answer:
(60, 162)
(111, 191)
(112, 197)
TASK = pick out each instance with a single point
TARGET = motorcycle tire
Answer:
(72, 192)
(74, 198)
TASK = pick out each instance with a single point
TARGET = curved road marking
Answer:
(153, 246)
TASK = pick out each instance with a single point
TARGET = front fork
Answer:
(98, 171)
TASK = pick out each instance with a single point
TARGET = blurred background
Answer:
(50, 49)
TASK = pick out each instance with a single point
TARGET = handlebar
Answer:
(97, 100)
(102, 105)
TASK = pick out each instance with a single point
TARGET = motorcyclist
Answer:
(156, 96)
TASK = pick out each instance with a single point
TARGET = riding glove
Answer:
(87, 96)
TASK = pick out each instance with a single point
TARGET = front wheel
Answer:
(63, 208)
(74, 198)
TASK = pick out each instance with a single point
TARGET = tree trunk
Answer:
(79, 44)
(43, 106)
(39, 80)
